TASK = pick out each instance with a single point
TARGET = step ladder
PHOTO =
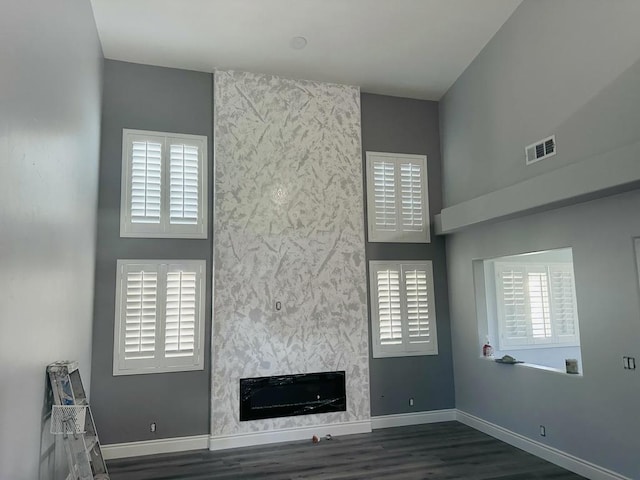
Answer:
(72, 419)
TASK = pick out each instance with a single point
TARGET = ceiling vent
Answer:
(540, 150)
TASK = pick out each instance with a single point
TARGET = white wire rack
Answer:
(68, 419)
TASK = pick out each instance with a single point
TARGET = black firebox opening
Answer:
(289, 395)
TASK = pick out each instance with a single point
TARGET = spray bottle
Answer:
(487, 349)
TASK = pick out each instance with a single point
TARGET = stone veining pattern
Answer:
(288, 227)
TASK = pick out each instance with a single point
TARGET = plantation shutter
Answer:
(402, 308)
(536, 304)
(539, 307)
(183, 184)
(397, 199)
(140, 315)
(164, 185)
(411, 196)
(181, 312)
(137, 316)
(388, 294)
(385, 216)
(563, 303)
(159, 312)
(512, 305)
(146, 179)
(418, 285)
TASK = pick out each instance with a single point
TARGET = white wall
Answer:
(569, 68)
(50, 60)
(288, 227)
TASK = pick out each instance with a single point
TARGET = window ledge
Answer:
(535, 366)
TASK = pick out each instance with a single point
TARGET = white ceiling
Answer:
(413, 48)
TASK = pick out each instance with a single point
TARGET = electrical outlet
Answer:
(629, 363)
(543, 431)
(152, 427)
(411, 402)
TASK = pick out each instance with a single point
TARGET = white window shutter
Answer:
(183, 332)
(536, 304)
(512, 305)
(146, 178)
(137, 319)
(183, 184)
(181, 310)
(141, 293)
(402, 309)
(397, 198)
(539, 307)
(164, 185)
(418, 285)
(411, 196)
(418, 300)
(384, 191)
(388, 298)
(563, 303)
(159, 316)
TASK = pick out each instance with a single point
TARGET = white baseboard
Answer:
(550, 454)
(199, 442)
(287, 435)
(414, 418)
(151, 447)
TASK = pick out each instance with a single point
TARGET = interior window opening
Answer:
(527, 309)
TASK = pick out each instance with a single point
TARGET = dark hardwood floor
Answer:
(448, 450)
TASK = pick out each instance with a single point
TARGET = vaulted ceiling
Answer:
(414, 48)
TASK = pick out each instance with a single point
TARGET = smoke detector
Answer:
(298, 43)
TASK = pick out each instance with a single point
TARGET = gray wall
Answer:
(51, 62)
(160, 99)
(588, 97)
(592, 417)
(553, 68)
(403, 125)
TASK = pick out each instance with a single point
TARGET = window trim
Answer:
(398, 235)
(160, 363)
(164, 229)
(404, 350)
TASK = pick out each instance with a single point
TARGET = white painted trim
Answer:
(163, 229)
(405, 349)
(199, 442)
(550, 454)
(288, 435)
(414, 418)
(152, 447)
(159, 363)
(398, 235)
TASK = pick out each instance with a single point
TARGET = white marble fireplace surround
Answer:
(288, 227)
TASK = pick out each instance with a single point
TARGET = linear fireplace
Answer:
(289, 395)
